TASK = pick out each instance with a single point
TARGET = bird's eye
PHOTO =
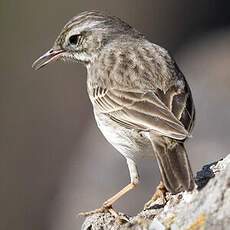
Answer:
(73, 40)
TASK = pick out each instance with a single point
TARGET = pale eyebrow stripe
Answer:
(81, 18)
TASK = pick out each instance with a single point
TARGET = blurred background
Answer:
(54, 162)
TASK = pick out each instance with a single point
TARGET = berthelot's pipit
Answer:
(141, 100)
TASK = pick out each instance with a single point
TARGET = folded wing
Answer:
(138, 110)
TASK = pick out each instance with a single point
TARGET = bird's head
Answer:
(83, 38)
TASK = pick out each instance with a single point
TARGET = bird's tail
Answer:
(174, 164)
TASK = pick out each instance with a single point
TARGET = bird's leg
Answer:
(134, 181)
(107, 205)
(160, 194)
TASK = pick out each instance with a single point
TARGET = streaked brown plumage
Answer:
(142, 102)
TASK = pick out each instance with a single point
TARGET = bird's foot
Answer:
(119, 219)
(107, 207)
(158, 198)
(98, 210)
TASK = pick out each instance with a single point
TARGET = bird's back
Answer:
(137, 64)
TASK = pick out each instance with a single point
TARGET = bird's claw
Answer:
(106, 208)
(158, 197)
(98, 210)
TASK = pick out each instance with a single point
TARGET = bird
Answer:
(141, 100)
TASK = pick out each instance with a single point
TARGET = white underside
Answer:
(130, 143)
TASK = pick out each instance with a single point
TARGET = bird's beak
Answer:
(50, 56)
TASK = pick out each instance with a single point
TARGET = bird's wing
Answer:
(138, 110)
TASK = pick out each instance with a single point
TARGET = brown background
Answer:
(54, 162)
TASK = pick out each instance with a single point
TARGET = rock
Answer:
(207, 207)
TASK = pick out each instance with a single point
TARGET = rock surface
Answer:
(207, 207)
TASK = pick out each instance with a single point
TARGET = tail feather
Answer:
(174, 164)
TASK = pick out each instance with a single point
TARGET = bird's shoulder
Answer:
(137, 64)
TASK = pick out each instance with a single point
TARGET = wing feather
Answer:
(138, 110)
